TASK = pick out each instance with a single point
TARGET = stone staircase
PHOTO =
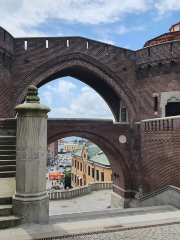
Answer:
(7, 181)
(7, 219)
(7, 156)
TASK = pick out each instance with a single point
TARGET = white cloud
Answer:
(122, 29)
(48, 97)
(106, 41)
(86, 89)
(167, 5)
(63, 88)
(22, 17)
(87, 104)
(90, 104)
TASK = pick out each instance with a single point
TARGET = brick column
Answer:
(31, 199)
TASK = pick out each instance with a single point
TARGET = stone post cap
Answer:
(32, 107)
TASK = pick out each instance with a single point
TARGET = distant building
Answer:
(172, 35)
(52, 152)
(89, 165)
(61, 141)
(73, 146)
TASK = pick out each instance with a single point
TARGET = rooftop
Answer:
(77, 153)
(100, 160)
(173, 35)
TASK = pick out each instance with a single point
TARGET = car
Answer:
(55, 187)
(49, 189)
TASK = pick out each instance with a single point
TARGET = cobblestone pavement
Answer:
(165, 232)
(96, 200)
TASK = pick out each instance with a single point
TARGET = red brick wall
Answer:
(150, 159)
(160, 163)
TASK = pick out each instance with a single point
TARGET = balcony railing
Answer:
(64, 194)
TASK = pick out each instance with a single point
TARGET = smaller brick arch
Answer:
(117, 162)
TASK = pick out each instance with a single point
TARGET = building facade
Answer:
(73, 146)
(89, 165)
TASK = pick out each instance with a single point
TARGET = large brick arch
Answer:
(87, 69)
(116, 159)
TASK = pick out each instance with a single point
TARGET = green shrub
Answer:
(67, 179)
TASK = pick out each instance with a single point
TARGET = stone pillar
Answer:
(31, 199)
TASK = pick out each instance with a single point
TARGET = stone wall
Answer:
(169, 195)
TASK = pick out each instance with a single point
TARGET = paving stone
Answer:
(165, 232)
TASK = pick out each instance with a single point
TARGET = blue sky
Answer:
(127, 24)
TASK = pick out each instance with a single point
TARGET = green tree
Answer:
(67, 179)
(61, 150)
(75, 141)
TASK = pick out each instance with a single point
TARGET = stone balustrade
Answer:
(65, 194)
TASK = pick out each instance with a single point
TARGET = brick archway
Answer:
(118, 164)
(100, 132)
(87, 69)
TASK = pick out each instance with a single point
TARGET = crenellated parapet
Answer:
(158, 60)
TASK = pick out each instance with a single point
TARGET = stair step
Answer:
(7, 137)
(7, 162)
(8, 132)
(8, 147)
(7, 152)
(7, 174)
(7, 168)
(7, 140)
(7, 157)
(5, 210)
(5, 200)
(10, 221)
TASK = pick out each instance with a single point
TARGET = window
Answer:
(77, 181)
(92, 172)
(75, 163)
(25, 45)
(75, 178)
(81, 182)
(123, 114)
(102, 176)
(172, 109)
(97, 175)
(81, 166)
(72, 176)
(155, 103)
(47, 45)
(89, 170)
